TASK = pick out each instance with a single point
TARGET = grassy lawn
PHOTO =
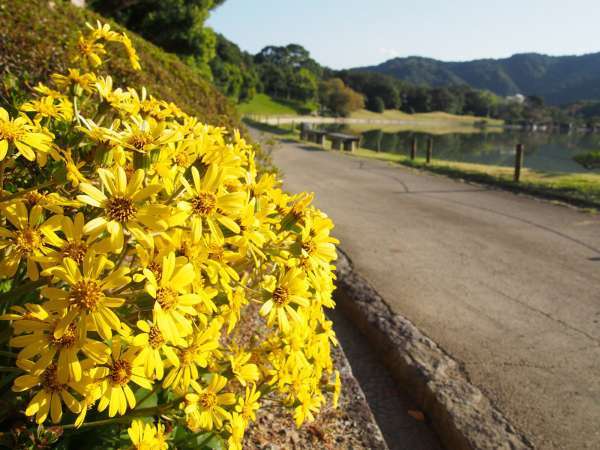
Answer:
(262, 104)
(431, 118)
(582, 189)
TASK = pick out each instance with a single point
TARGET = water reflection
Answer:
(550, 152)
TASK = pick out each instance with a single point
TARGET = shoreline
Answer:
(581, 190)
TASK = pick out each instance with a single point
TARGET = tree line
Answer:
(290, 73)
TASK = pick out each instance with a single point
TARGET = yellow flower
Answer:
(248, 405)
(173, 300)
(122, 369)
(290, 289)
(25, 241)
(196, 354)
(337, 389)
(102, 31)
(208, 202)
(153, 272)
(51, 395)
(125, 206)
(134, 59)
(316, 246)
(309, 405)
(144, 436)
(143, 136)
(23, 136)
(204, 410)
(86, 295)
(49, 107)
(232, 311)
(74, 245)
(90, 51)
(152, 344)
(243, 370)
(75, 79)
(237, 428)
(39, 341)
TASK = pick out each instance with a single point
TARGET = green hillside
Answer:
(35, 35)
(558, 79)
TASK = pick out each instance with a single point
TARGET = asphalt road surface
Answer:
(506, 284)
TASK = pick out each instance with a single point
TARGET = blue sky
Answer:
(349, 33)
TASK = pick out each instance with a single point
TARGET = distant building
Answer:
(517, 98)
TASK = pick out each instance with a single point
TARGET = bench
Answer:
(341, 141)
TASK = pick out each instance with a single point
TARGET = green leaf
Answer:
(149, 402)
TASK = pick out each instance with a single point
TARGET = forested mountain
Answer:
(557, 79)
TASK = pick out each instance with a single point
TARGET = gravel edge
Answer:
(461, 415)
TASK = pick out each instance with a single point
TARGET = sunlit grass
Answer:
(578, 187)
(426, 119)
(262, 104)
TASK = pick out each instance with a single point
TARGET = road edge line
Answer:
(462, 416)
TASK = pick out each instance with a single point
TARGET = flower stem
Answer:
(147, 396)
(144, 412)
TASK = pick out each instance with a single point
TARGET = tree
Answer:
(303, 85)
(442, 99)
(376, 104)
(480, 103)
(372, 85)
(339, 98)
(274, 79)
(417, 99)
(175, 25)
(234, 71)
(292, 56)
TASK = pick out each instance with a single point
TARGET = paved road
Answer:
(508, 285)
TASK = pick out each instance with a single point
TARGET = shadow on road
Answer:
(308, 148)
(388, 403)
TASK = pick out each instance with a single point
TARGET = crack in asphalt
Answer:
(541, 312)
(519, 219)
(407, 190)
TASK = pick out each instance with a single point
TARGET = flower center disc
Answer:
(75, 250)
(86, 294)
(120, 209)
(156, 269)
(27, 241)
(204, 203)
(139, 141)
(208, 399)
(280, 295)
(155, 337)
(49, 380)
(10, 132)
(166, 298)
(120, 372)
(68, 338)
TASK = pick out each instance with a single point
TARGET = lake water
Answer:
(550, 152)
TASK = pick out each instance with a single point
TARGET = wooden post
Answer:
(429, 150)
(413, 148)
(518, 162)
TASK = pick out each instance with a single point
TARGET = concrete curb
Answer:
(462, 416)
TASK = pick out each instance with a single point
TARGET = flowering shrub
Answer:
(151, 276)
